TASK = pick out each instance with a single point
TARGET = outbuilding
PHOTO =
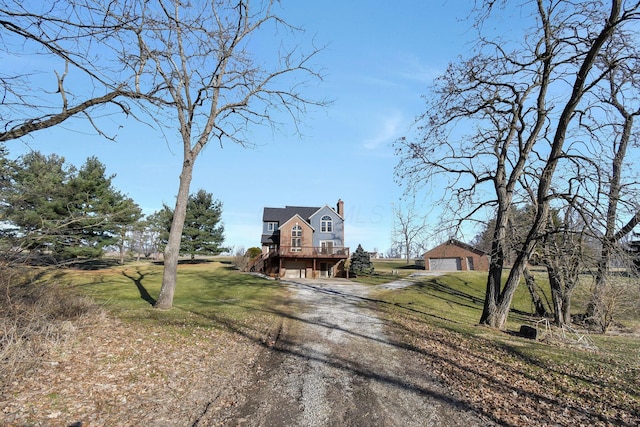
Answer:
(454, 255)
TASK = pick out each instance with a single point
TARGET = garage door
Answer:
(295, 270)
(445, 264)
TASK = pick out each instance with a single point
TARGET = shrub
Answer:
(360, 262)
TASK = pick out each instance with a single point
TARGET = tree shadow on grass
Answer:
(450, 295)
(88, 264)
(186, 261)
(144, 294)
(93, 264)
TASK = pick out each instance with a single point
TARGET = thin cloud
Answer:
(413, 69)
(387, 131)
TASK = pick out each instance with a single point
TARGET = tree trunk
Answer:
(611, 237)
(496, 315)
(172, 250)
(546, 177)
(566, 306)
(557, 307)
(494, 283)
(496, 264)
(121, 252)
(538, 305)
(556, 297)
(600, 281)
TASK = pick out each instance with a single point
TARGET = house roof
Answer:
(296, 216)
(454, 242)
(326, 207)
(282, 215)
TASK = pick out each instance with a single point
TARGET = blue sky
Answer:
(379, 59)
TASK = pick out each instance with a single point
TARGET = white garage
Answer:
(445, 264)
(454, 255)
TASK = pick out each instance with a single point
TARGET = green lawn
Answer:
(510, 378)
(208, 293)
(385, 266)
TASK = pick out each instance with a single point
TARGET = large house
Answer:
(303, 242)
(454, 255)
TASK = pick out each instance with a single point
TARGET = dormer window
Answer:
(326, 224)
(272, 226)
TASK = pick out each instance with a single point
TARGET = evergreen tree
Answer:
(33, 200)
(159, 223)
(50, 206)
(203, 231)
(360, 262)
(99, 212)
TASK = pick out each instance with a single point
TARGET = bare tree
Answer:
(65, 40)
(500, 93)
(510, 96)
(563, 255)
(583, 82)
(408, 230)
(217, 81)
(622, 94)
(203, 70)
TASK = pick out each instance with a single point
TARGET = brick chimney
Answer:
(341, 208)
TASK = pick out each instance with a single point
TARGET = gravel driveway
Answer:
(334, 364)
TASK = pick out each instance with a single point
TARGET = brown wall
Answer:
(285, 233)
(446, 250)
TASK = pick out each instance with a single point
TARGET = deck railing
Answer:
(311, 252)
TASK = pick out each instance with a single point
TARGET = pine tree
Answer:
(360, 262)
(203, 232)
(33, 200)
(99, 212)
(49, 206)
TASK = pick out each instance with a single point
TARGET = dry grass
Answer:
(126, 363)
(33, 319)
(513, 380)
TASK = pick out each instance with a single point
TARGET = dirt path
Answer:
(334, 364)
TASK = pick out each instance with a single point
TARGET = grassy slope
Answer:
(513, 380)
(151, 367)
(208, 294)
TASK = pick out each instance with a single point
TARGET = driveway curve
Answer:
(335, 363)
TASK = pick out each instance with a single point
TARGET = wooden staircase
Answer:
(257, 264)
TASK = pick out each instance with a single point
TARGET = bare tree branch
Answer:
(499, 128)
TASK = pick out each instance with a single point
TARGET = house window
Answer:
(272, 226)
(326, 247)
(296, 238)
(326, 224)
